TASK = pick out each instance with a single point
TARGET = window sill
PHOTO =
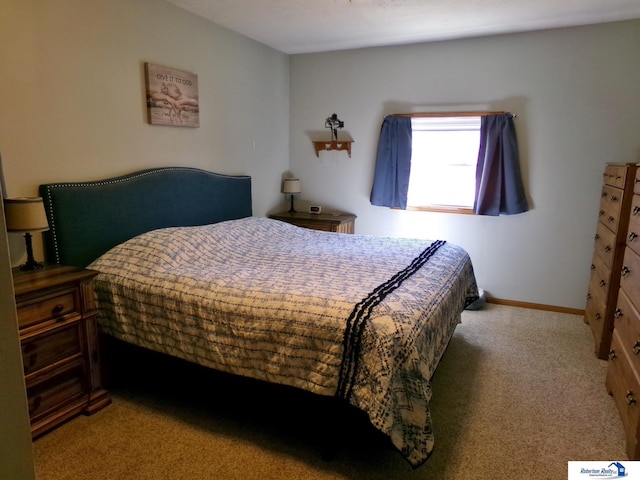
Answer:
(443, 209)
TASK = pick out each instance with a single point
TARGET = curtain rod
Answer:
(451, 114)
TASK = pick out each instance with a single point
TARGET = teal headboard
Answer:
(88, 218)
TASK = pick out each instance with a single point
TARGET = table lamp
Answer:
(291, 186)
(26, 215)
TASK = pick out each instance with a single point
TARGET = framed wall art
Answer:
(172, 96)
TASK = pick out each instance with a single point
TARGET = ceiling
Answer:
(304, 26)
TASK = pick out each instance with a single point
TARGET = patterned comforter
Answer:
(364, 318)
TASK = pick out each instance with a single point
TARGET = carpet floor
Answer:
(517, 394)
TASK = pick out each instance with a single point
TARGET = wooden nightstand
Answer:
(343, 223)
(59, 337)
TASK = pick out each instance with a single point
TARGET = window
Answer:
(443, 163)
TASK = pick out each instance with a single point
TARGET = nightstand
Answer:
(59, 338)
(343, 223)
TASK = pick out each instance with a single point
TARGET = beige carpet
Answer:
(518, 393)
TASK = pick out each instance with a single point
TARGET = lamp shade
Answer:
(291, 186)
(25, 214)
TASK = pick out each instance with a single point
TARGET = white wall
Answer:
(576, 95)
(73, 97)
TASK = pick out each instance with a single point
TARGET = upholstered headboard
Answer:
(88, 218)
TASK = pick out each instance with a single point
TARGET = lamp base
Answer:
(31, 265)
(292, 210)
(31, 262)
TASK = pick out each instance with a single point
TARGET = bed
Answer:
(186, 270)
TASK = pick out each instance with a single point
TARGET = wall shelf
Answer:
(333, 145)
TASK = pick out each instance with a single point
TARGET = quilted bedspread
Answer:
(360, 317)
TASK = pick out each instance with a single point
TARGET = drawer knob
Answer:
(625, 271)
(617, 313)
(33, 359)
(636, 348)
(612, 354)
(596, 237)
(35, 405)
(636, 209)
(603, 283)
(598, 316)
(630, 398)
(633, 236)
(614, 199)
(600, 213)
(593, 267)
(610, 219)
(57, 310)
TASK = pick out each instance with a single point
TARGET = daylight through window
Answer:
(443, 162)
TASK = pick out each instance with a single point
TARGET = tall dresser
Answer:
(606, 264)
(623, 370)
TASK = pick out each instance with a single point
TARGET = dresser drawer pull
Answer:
(600, 213)
(636, 209)
(630, 398)
(598, 316)
(57, 310)
(33, 360)
(603, 283)
(588, 296)
(596, 237)
(593, 267)
(625, 271)
(610, 219)
(617, 313)
(612, 354)
(633, 236)
(636, 348)
(614, 199)
(607, 248)
(35, 404)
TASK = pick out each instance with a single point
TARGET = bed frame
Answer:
(88, 218)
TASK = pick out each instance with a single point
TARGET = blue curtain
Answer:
(499, 187)
(393, 163)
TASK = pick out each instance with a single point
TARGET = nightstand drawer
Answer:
(45, 349)
(66, 386)
(54, 306)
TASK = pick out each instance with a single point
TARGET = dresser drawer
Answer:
(64, 387)
(622, 384)
(53, 306)
(605, 243)
(63, 343)
(630, 275)
(595, 316)
(599, 281)
(633, 235)
(615, 175)
(627, 324)
(610, 207)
